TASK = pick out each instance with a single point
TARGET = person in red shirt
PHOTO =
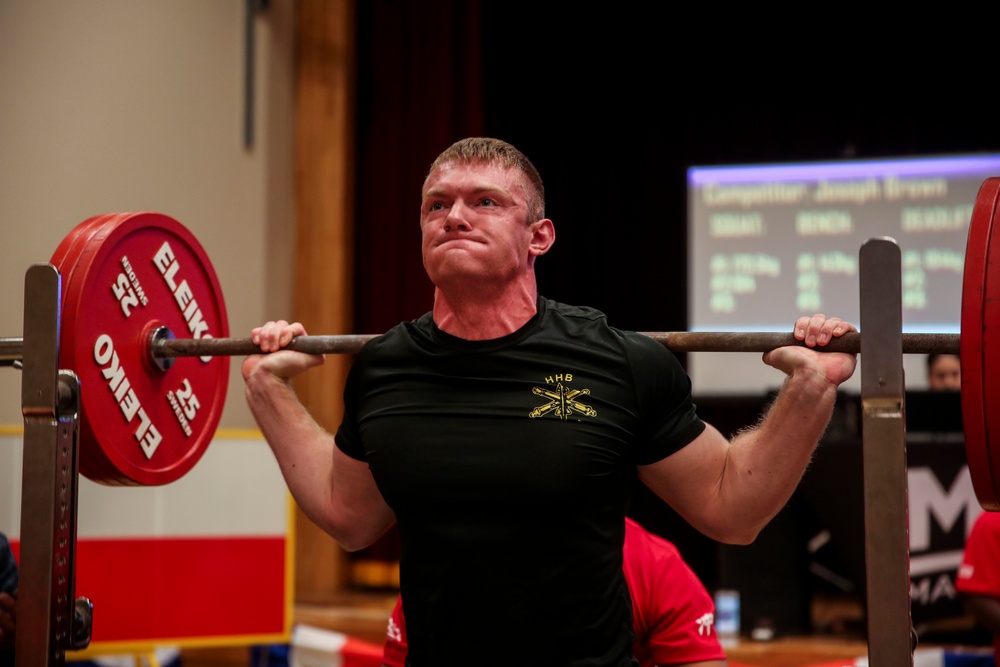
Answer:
(978, 579)
(672, 614)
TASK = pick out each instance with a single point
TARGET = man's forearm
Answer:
(986, 610)
(767, 461)
(304, 451)
(335, 491)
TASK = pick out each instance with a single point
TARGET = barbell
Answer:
(144, 327)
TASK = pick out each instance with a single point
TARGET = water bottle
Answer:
(727, 616)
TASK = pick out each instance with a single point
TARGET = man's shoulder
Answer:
(591, 323)
(585, 313)
(990, 520)
(986, 529)
(577, 318)
(400, 334)
(641, 542)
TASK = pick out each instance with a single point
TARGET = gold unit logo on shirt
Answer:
(562, 400)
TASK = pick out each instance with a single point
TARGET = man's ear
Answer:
(543, 235)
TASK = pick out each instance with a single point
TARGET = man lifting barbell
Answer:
(155, 362)
(503, 432)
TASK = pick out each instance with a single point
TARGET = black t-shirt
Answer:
(509, 464)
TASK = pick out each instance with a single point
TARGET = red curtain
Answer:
(419, 90)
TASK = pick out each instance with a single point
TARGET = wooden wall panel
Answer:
(324, 252)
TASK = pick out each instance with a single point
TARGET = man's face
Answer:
(473, 221)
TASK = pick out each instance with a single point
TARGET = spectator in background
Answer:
(672, 614)
(8, 599)
(944, 372)
(978, 579)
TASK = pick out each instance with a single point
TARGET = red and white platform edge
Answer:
(317, 647)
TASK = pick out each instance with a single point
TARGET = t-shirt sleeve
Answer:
(979, 572)
(348, 438)
(677, 612)
(667, 410)
(684, 631)
(395, 649)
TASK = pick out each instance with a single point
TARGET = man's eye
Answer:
(487, 202)
(436, 206)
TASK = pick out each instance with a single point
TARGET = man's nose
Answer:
(457, 218)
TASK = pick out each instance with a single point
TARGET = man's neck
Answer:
(475, 316)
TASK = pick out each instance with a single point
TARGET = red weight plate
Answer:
(127, 274)
(991, 348)
(980, 294)
(73, 244)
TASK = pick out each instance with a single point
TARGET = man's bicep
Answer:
(357, 501)
(689, 479)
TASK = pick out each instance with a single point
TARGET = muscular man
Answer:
(672, 614)
(503, 432)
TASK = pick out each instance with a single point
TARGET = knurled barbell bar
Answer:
(144, 317)
(162, 346)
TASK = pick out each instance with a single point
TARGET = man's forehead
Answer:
(479, 174)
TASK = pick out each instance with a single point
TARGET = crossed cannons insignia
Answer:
(562, 401)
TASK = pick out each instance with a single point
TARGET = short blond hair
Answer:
(499, 152)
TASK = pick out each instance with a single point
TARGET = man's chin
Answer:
(462, 275)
